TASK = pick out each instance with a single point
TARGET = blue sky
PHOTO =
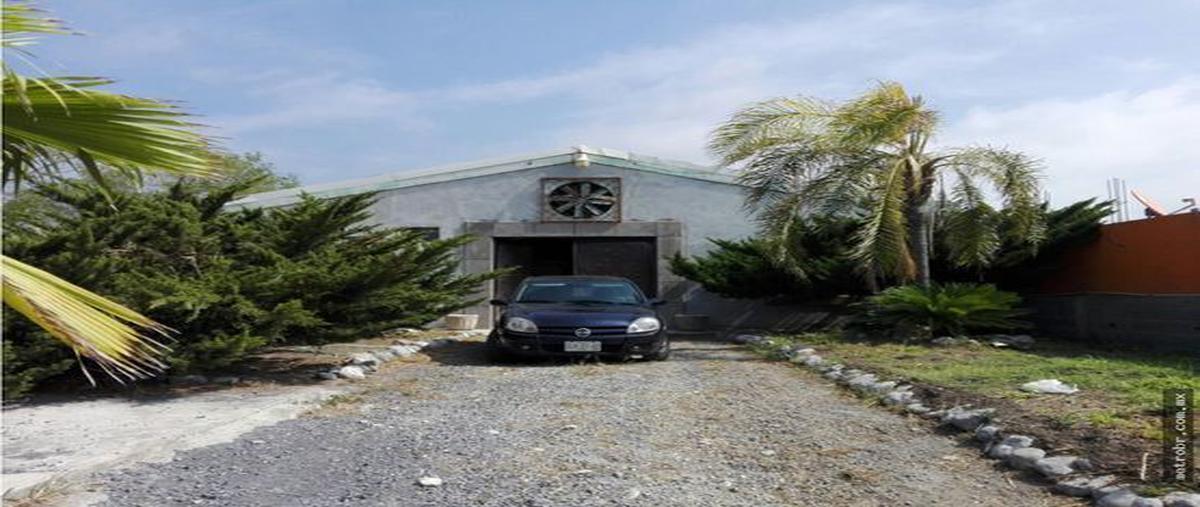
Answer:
(330, 90)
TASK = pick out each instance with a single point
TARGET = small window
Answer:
(427, 233)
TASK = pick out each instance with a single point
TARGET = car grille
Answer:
(570, 331)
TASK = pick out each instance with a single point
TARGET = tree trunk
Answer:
(872, 282)
(918, 242)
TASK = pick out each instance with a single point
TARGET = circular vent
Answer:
(582, 200)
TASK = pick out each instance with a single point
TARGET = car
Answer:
(578, 316)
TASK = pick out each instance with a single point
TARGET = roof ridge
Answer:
(485, 167)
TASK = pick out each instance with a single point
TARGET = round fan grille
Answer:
(582, 200)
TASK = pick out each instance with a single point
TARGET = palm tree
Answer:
(57, 124)
(871, 158)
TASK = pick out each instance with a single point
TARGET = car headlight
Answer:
(644, 325)
(520, 325)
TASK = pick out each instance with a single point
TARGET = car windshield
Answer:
(580, 292)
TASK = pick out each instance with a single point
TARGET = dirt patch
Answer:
(1112, 451)
(1113, 420)
(336, 405)
(287, 365)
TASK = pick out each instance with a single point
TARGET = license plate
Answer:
(581, 346)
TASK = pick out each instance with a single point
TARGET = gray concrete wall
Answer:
(729, 315)
(1137, 321)
(706, 209)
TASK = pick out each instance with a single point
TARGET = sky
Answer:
(331, 90)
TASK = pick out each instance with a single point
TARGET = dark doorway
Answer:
(531, 257)
(632, 258)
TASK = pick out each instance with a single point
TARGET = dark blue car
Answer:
(579, 316)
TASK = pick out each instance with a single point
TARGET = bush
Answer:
(229, 283)
(1020, 265)
(739, 269)
(938, 310)
(757, 268)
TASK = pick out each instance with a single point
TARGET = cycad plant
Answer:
(54, 125)
(937, 309)
(871, 158)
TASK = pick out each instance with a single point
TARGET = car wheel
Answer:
(663, 353)
(496, 353)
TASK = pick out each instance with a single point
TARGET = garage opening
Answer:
(632, 258)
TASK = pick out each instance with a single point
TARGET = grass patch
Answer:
(1120, 390)
(43, 495)
(338, 400)
(338, 404)
(589, 369)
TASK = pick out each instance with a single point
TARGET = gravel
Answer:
(714, 426)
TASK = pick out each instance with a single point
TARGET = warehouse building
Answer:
(580, 210)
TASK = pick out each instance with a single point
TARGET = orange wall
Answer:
(1152, 256)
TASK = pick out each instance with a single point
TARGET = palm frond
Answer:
(50, 123)
(842, 188)
(23, 22)
(780, 226)
(776, 172)
(885, 115)
(766, 124)
(94, 327)
(1017, 179)
(867, 159)
(882, 243)
(1071, 225)
(971, 225)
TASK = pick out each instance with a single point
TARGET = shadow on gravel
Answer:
(707, 351)
(475, 354)
(282, 371)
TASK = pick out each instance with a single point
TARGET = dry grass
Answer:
(589, 369)
(337, 405)
(1119, 390)
(43, 495)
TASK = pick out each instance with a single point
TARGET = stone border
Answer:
(1069, 473)
(358, 365)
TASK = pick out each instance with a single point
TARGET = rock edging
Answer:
(358, 365)
(1068, 473)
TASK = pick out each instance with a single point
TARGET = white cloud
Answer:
(1150, 138)
(664, 100)
(317, 101)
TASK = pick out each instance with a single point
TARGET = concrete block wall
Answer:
(1140, 322)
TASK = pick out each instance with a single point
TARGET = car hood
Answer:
(566, 315)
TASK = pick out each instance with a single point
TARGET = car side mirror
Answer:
(498, 302)
(657, 302)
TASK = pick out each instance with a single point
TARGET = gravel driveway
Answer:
(714, 426)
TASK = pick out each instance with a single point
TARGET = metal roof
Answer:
(602, 156)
